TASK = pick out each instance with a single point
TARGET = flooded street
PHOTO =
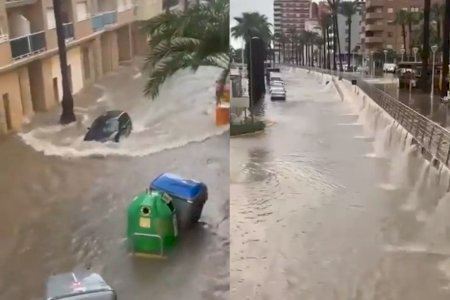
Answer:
(332, 202)
(64, 200)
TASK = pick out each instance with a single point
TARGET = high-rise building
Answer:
(381, 31)
(290, 14)
(99, 35)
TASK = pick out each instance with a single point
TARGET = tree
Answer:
(426, 45)
(190, 39)
(292, 34)
(412, 18)
(348, 9)
(445, 49)
(67, 115)
(325, 22)
(334, 6)
(401, 19)
(437, 15)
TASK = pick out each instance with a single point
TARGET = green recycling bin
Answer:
(152, 227)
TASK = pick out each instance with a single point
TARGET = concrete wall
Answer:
(147, 9)
(110, 51)
(9, 84)
(75, 62)
(125, 43)
(18, 25)
(25, 92)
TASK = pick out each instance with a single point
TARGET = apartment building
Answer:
(100, 34)
(290, 14)
(381, 31)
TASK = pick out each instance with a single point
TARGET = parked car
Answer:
(389, 68)
(111, 126)
(278, 93)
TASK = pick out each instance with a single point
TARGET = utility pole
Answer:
(67, 115)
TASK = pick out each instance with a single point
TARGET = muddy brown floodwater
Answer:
(63, 202)
(331, 202)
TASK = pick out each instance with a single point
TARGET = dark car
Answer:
(110, 126)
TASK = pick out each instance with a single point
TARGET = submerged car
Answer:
(79, 285)
(111, 126)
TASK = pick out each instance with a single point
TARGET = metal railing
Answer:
(433, 138)
(103, 19)
(27, 45)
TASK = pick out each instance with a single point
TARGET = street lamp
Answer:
(415, 50)
(385, 55)
(402, 51)
(433, 49)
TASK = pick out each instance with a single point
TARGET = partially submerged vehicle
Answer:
(79, 286)
(408, 73)
(111, 126)
(277, 93)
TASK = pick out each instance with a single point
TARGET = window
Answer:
(390, 10)
(82, 11)
(51, 23)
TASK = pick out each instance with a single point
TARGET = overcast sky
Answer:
(237, 7)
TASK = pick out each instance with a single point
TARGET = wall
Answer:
(147, 9)
(9, 84)
(75, 62)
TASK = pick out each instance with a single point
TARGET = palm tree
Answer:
(437, 15)
(325, 22)
(190, 39)
(426, 45)
(412, 18)
(334, 6)
(348, 9)
(252, 25)
(445, 48)
(401, 19)
(283, 40)
(67, 115)
(292, 34)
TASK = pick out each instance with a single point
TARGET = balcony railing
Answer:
(103, 19)
(28, 45)
(68, 31)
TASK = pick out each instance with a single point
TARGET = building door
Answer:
(55, 89)
(7, 108)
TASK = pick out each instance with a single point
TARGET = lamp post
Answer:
(433, 49)
(402, 51)
(385, 55)
(415, 50)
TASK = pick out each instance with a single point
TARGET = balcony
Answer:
(103, 19)
(374, 39)
(374, 15)
(374, 27)
(27, 45)
(374, 3)
(16, 3)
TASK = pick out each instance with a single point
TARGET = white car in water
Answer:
(277, 93)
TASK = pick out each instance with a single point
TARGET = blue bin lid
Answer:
(177, 186)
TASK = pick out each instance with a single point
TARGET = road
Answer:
(63, 201)
(331, 203)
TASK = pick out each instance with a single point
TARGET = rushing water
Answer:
(334, 202)
(181, 114)
(63, 201)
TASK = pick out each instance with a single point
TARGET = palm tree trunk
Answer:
(334, 46)
(328, 50)
(404, 36)
(338, 41)
(426, 46)
(410, 39)
(349, 21)
(67, 115)
(324, 61)
(445, 48)
(185, 5)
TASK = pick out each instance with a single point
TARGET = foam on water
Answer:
(181, 114)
